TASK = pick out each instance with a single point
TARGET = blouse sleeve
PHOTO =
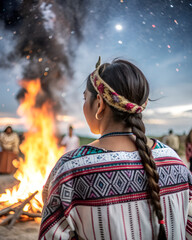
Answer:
(189, 223)
(55, 227)
(54, 224)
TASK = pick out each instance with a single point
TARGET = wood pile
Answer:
(9, 215)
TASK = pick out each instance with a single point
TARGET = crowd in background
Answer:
(10, 140)
(9, 147)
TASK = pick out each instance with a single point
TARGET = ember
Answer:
(40, 154)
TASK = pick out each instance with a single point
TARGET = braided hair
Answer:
(128, 81)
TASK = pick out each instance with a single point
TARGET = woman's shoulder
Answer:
(79, 152)
(161, 150)
(70, 160)
(158, 144)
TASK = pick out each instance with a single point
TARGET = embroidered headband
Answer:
(111, 97)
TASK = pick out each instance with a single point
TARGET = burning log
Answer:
(38, 203)
(32, 215)
(6, 220)
(6, 210)
(17, 208)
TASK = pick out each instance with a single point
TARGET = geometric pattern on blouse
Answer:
(115, 183)
(73, 160)
(106, 184)
(110, 184)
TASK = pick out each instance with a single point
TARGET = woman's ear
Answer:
(100, 107)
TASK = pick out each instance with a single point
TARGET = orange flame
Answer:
(39, 147)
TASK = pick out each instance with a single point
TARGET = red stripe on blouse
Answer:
(123, 222)
(81, 223)
(93, 223)
(180, 222)
(109, 222)
(165, 216)
(140, 235)
(58, 227)
(151, 220)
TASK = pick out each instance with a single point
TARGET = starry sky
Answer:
(154, 35)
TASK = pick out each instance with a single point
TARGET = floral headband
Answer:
(111, 97)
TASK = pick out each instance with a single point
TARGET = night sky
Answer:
(154, 35)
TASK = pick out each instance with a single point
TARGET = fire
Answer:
(39, 147)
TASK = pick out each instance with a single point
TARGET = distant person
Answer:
(173, 141)
(188, 149)
(164, 139)
(9, 142)
(70, 141)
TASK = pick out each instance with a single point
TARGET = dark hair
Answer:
(170, 131)
(8, 127)
(127, 80)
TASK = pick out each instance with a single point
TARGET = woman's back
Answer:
(100, 194)
(135, 191)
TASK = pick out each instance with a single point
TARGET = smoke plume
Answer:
(47, 33)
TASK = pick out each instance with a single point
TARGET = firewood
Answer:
(19, 210)
(10, 217)
(33, 209)
(30, 208)
(32, 215)
(38, 203)
(6, 210)
(6, 220)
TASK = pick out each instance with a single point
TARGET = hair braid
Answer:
(127, 80)
(138, 129)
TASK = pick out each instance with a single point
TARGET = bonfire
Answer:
(41, 151)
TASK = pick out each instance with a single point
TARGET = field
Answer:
(85, 140)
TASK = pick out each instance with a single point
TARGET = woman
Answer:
(123, 185)
(9, 142)
(188, 148)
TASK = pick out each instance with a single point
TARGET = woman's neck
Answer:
(109, 126)
(119, 143)
(116, 143)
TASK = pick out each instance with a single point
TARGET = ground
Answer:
(23, 230)
(20, 231)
